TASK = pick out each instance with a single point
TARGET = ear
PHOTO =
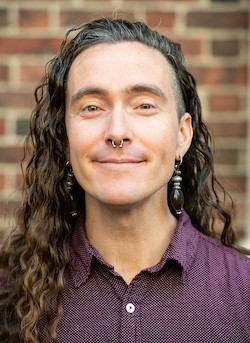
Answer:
(185, 135)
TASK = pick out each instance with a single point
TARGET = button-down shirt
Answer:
(198, 292)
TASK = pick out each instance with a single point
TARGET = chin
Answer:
(120, 199)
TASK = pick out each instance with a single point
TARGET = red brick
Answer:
(236, 130)
(179, 1)
(61, 2)
(229, 102)
(11, 154)
(3, 17)
(33, 18)
(70, 18)
(239, 213)
(190, 46)
(7, 208)
(160, 19)
(2, 181)
(218, 20)
(19, 181)
(225, 48)
(227, 1)
(223, 156)
(2, 126)
(234, 183)
(29, 45)
(16, 100)
(240, 228)
(3, 73)
(218, 76)
(31, 73)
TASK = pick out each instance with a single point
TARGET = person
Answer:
(121, 235)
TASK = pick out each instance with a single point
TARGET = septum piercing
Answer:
(114, 145)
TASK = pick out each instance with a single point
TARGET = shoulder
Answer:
(208, 251)
(215, 246)
(221, 272)
(205, 255)
(211, 258)
(223, 262)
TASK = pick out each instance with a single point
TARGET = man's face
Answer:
(123, 91)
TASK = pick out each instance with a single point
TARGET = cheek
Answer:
(162, 139)
(75, 142)
(80, 139)
(165, 148)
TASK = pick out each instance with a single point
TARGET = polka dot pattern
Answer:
(198, 292)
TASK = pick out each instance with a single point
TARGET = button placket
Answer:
(128, 321)
(130, 313)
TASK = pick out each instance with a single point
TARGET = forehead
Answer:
(128, 54)
(119, 65)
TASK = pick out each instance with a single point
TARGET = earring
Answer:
(176, 196)
(70, 186)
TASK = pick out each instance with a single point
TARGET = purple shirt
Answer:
(198, 292)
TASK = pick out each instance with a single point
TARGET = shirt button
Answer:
(130, 308)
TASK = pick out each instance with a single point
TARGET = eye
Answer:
(146, 109)
(90, 108)
(146, 106)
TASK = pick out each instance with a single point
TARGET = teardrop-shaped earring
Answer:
(176, 196)
(70, 186)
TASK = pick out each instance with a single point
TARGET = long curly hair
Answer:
(36, 255)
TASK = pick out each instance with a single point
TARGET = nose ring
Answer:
(114, 145)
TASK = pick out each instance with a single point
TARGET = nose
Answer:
(118, 128)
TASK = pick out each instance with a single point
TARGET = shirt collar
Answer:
(80, 255)
(182, 249)
(184, 245)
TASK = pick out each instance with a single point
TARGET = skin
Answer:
(124, 91)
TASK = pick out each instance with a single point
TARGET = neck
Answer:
(130, 239)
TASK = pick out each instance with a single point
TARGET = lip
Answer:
(121, 160)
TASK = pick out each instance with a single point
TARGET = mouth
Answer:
(114, 163)
(120, 160)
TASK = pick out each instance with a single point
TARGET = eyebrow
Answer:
(140, 88)
(87, 91)
(152, 89)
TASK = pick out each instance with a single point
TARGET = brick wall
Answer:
(214, 36)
